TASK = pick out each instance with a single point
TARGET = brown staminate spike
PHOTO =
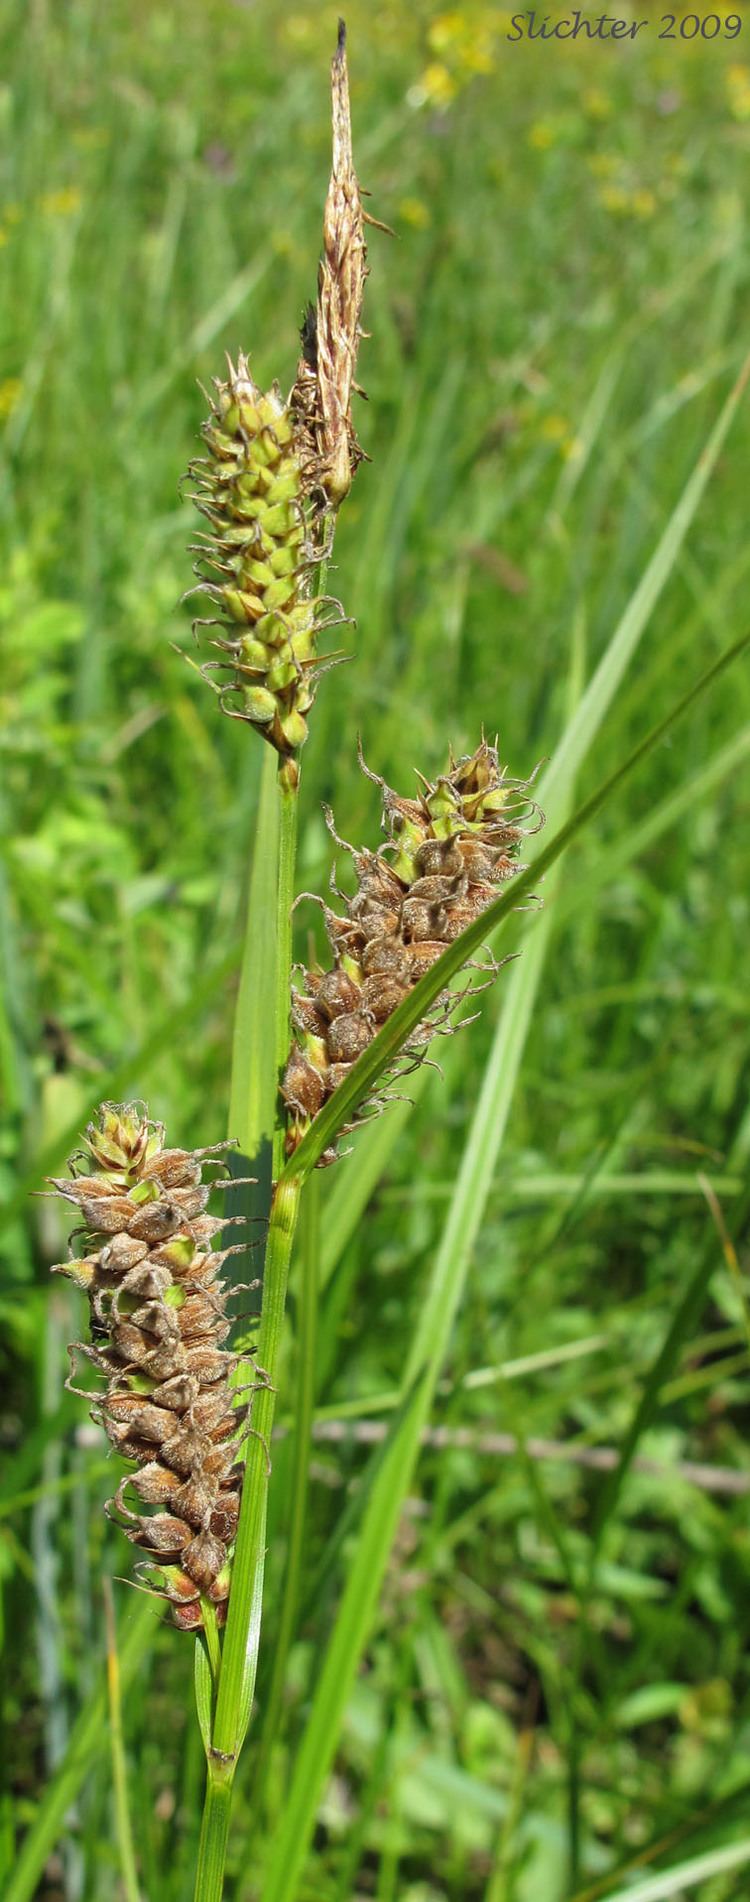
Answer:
(158, 1318)
(322, 395)
(444, 855)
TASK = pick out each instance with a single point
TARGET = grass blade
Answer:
(685, 1875)
(601, 689)
(687, 797)
(304, 1402)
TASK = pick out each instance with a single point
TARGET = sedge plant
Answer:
(192, 1419)
(313, 1055)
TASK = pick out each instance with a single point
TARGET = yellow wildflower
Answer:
(10, 392)
(414, 211)
(297, 28)
(603, 164)
(596, 103)
(554, 428)
(437, 87)
(541, 135)
(636, 202)
(446, 30)
(643, 202)
(738, 90)
(614, 198)
(466, 42)
(61, 204)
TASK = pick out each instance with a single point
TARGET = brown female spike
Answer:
(159, 1321)
(447, 850)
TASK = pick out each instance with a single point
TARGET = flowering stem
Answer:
(303, 1413)
(252, 1083)
(209, 1881)
(235, 1681)
(288, 804)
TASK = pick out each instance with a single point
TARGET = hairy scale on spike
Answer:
(444, 854)
(158, 1327)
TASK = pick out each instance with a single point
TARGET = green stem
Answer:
(235, 1684)
(252, 1082)
(303, 1416)
(288, 803)
(119, 1773)
(212, 1849)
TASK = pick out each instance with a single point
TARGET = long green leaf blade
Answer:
(601, 689)
(685, 1875)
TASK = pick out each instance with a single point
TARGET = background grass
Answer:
(553, 333)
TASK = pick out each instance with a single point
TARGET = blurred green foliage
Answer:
(552, 333)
